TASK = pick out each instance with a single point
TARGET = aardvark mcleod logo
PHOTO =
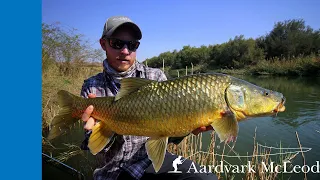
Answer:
(286, 166)
(175, 163)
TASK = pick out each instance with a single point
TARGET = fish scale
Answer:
(188, 105)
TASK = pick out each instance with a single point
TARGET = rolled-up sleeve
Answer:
(161, 76)
(85, 90)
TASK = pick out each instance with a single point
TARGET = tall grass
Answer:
(191, 148)
(54, 78)
(58, 77)
(300, 66)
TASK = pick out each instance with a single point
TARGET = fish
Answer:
(171, 108)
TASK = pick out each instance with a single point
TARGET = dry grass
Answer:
(300, 66)
(191, 148)
(73, 150)
(53, 80)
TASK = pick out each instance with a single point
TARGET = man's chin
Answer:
(123, 68)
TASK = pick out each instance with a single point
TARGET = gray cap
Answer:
(114, 22)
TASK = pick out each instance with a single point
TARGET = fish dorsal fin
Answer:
(129, 85)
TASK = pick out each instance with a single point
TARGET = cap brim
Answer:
(133, 25)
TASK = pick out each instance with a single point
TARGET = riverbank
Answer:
(305, 66)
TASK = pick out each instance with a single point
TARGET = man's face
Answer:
(120, 59)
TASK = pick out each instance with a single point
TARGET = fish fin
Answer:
(156, 150)
(129, 85)
(62, 122)
(100, 137)
(226, 127)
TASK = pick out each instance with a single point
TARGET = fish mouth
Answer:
(280, 107)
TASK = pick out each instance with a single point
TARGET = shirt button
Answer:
(128, 138)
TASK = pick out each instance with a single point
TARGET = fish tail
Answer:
(67, 115)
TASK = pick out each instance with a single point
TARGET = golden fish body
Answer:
(171, 108)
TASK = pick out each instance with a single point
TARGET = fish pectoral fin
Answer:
(226, 127)
(129, 85)
(100, 137)
(156, 150)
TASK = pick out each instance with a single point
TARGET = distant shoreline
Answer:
(307, 66)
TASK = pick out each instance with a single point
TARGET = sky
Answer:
(169, 25)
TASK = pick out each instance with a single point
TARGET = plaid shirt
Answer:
(127, 153)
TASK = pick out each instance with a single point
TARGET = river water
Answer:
(302, 116)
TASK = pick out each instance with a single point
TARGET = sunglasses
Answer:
(118, 44)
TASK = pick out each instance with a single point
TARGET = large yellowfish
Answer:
(171, 108)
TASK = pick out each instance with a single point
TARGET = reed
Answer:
(191, 148)
(300, 66)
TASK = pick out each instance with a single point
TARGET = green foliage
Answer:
(305, 66)
(237, 53)
(168, 58)
(290, 41)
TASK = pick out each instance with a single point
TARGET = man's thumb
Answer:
(92, 95)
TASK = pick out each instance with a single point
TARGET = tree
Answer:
(236, 53)
(66, 49)
(289, 39)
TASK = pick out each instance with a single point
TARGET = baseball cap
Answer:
(115, 22)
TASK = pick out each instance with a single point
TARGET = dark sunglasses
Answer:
(118, 44)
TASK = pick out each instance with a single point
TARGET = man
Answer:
(176, 162)
(127, 157)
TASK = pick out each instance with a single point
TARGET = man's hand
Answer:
(202, 129)
(86, 116)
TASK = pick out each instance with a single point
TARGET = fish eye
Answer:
(266, 93)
